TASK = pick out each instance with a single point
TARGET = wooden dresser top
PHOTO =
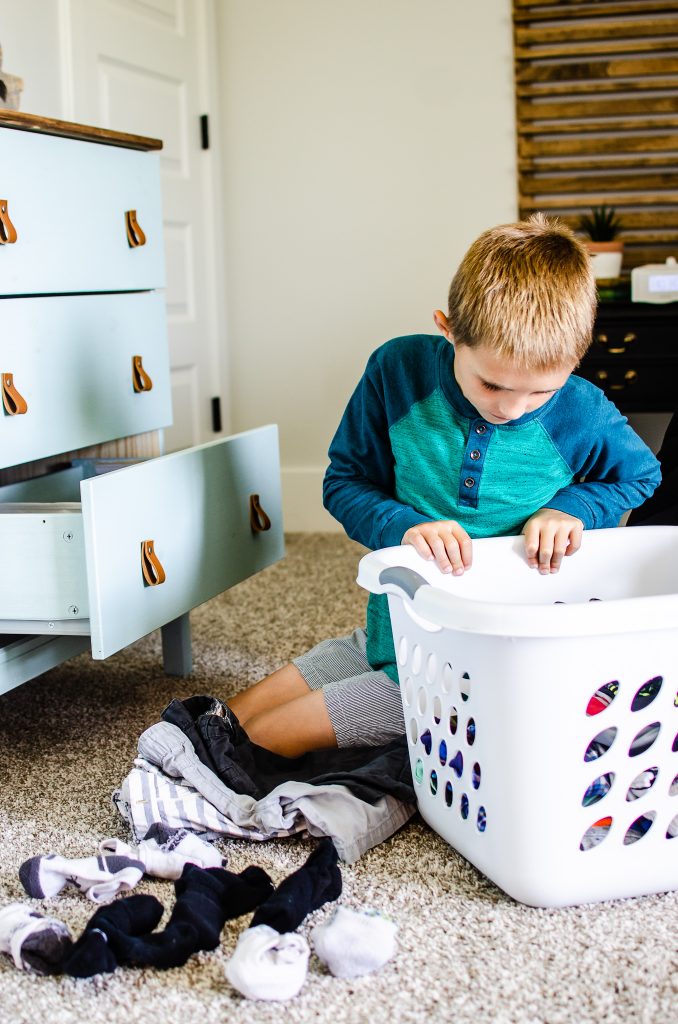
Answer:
(50, 126)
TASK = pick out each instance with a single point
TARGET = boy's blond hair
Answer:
(527, 291)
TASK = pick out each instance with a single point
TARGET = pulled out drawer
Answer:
(147, 543)
(65, 219)
(79, 370)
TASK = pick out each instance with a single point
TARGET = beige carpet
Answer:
(467, 952)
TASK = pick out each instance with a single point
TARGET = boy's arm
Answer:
(614, 469)
(359, 481)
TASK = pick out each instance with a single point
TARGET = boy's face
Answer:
(500, 391)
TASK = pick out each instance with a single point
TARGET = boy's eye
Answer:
(491, 387)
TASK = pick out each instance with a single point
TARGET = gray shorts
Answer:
(364, 706)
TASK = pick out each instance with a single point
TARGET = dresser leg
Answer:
(177, 655)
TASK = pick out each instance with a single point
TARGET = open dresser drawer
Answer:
(143, 545)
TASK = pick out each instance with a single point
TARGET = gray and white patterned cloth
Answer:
(170, 785)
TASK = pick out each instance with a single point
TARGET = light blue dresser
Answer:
(97, 553)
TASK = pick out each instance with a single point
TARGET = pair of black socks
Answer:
(122, 932)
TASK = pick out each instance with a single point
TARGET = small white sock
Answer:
(355, 942)
(34, 942)
(165, 852)
(100, 878)
(268, 965)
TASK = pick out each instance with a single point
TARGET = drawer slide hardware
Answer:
(8, 233)
(135, 235)
(259, 521)
(151, 566)
(14, 403)
(140, 379)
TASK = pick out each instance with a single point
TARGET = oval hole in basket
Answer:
(673, 788)
(416, 659)
(447, 678)
(457, 764)
(463, 807)
(437, 709)
(421, 701)
(602, 698)
(647, 693)
(639, 828)
(642, 783)
(402, 650)
(595, 834)
(482, 819)
(449, 793)
(431, 668)
(407, 692)
(414, 730)
(644, 740)
(442, 753)
(475, 776)
(600, 744)
(598, 789)
(419, 771)
(427, 741)
(454, 721)
(465, 686)
(672, 830)
(434, 782)
(674, 745)
(471, 732)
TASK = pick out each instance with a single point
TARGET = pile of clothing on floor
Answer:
(197, 769)
(270, 960)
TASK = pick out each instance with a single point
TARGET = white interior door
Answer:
(147, 67)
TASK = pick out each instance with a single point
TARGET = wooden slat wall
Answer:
(597, 115)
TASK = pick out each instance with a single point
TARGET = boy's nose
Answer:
(512, 410)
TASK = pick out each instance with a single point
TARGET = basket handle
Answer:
(406, 579)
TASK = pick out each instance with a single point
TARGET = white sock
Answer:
(100, 878)
(268, 965)
(34, 942)
(164, 852)
(355, 942)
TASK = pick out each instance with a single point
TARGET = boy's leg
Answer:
(295, 727)
(280, 687)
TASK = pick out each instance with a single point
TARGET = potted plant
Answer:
(602, 227)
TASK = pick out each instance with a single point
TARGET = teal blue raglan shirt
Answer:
(410, 449)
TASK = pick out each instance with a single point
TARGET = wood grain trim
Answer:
(66, 129)
(630, 68)
(566, 8)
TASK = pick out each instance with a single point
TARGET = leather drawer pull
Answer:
(135, 235)
(8, 233)
(259, 521)
(14, 403)
(140, 379)
(154, 574)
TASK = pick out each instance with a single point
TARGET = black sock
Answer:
(101, 947)
(317, 882)
(206, 899)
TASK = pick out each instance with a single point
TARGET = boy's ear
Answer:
(440, 320)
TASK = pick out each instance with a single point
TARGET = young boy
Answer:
(481, 432)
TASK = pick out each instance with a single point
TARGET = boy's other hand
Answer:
(445, 542)
(549, 535)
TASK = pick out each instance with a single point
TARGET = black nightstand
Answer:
(634, 355)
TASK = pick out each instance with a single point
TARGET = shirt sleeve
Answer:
(359, 482)
(616, 473)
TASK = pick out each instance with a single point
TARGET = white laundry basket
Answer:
(542, 711)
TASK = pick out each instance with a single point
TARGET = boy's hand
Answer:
(446, 542)
(550, 534)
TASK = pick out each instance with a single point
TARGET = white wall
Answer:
(31, 41)
(367, 143)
